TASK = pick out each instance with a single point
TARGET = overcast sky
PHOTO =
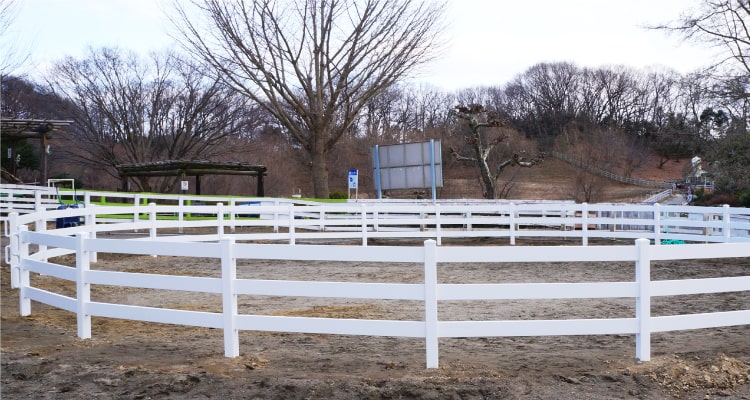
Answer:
(490, 41)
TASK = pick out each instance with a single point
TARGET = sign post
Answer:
(353, 178)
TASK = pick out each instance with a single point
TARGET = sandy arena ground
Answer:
(43, 359)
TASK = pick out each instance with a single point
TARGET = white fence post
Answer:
(90, 221)
(727, 226)
(12, 250)
(38, 200)
(220, 219)
(643, 301)
(291, 223)
(706, 230)
(180, 213)
(437, 225)
(657, 224)
(152, 220)
(276, 203)
(363, 215)
(232, 217)
(23, 277)
(584, 224)
(229, 298)
(40, 225)
(512, 225)
(430, 303)
(83, 288)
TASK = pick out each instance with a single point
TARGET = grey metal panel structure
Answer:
(406, 166)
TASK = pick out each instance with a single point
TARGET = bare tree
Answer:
(130, 111)
(588, 187)
(482, 146)
(723, 23)
(11, 56)
(313, 64)
(545, 99)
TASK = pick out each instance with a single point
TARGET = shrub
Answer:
(338, 194)
(721, 199)
(743, 198)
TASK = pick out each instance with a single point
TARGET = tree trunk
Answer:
(488, 183)
(319, 171)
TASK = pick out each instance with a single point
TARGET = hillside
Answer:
(555, 180)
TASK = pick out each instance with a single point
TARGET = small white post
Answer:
(322, 221)
(220, 219)
(40, 225)
(22, 277)
(229, 297)
(180, 214)
(152, 222)
(643, 301)
(13, 259)
(90, 222)
(232, 215)
(276, 203)
(657, 224)
(430, 303)
(563, 224)
(291, 223)
(585, 224)
(363, 214)
(83, 288)
(38, 201)
(512, 223)
(727, 226)
(437, 225)
(706, 230)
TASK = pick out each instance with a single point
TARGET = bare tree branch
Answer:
(722, 23)
(482, 146)
(130, 111)
(313, 65)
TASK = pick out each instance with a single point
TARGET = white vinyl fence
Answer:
(234, 232)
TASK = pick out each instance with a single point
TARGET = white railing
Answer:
(658, 196)
(150, 231)
(364, 221)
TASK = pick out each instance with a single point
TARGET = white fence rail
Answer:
(234, 230)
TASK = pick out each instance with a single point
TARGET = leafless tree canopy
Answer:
(482, 142)
(11, 55)
(127, 110)
(313, 64)
(724, 23)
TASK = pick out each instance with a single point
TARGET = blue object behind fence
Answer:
(67, 222)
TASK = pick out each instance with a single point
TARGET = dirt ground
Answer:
(42, 358)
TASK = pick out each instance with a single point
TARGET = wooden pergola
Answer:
(14, 130)
(191, 168)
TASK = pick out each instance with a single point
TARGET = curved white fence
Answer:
(276, 232)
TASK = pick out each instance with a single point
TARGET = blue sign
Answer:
(352, 179)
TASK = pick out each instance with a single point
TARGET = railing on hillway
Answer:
(255, 232)
(610, 175)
